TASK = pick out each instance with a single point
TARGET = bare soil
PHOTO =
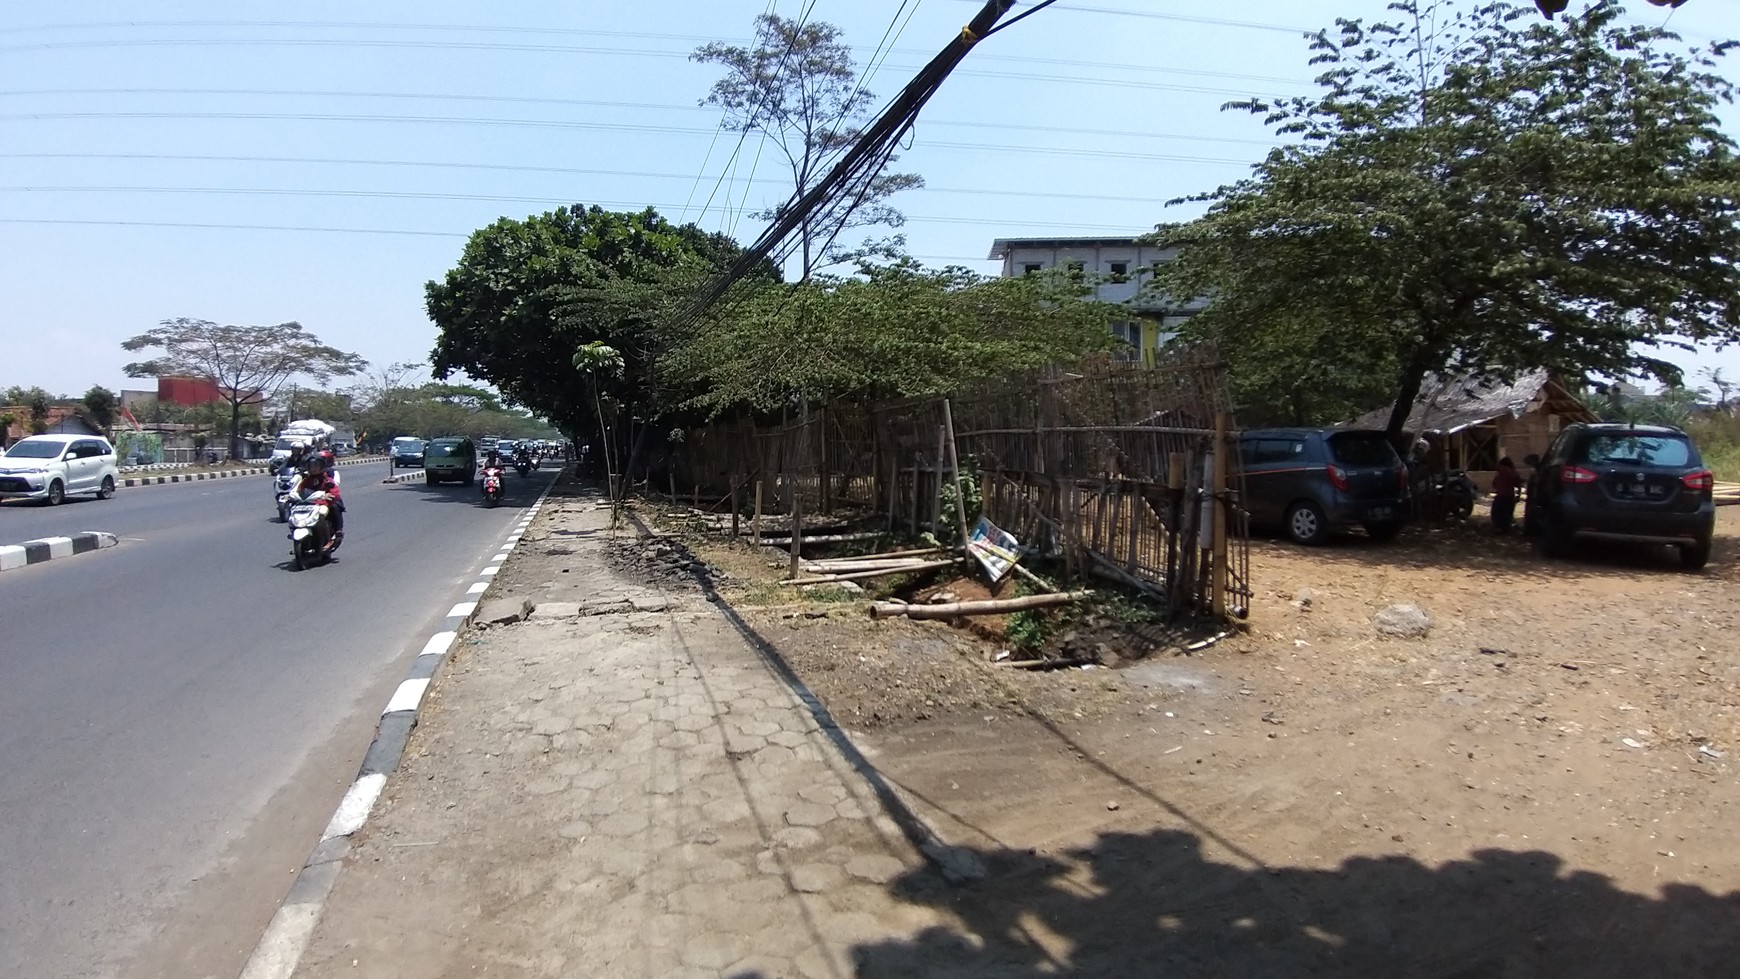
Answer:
(1543, 785)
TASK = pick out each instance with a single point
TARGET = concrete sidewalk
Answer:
(630, 793)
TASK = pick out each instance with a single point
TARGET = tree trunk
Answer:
(1408, 382)
(235, 428)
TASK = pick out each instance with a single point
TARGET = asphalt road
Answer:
(180, 714)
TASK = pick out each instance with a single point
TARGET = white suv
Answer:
(49, 467)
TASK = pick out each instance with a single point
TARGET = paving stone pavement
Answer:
(620, 794)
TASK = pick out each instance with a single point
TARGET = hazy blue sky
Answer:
(157, 155)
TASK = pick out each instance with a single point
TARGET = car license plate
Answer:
(1382, 513)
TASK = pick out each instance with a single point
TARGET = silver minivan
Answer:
(53, 467)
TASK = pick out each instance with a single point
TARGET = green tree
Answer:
(247, 363)
(1475, 191)
(527, 295)
(102, 405)
(899, 330)
(39, 405)
(797, 87)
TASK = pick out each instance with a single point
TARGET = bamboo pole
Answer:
(755, 522)
(994, 606)
(936, 495)
(955, 467)
(1218, 574)
(883, 572)
(736, 514)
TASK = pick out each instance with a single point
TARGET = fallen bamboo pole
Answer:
(856, 575)
(994, 606)
(783, 539)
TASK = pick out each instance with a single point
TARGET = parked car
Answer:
(1311, 481)
(407, 452)
(53, 467)
(1631, 483)
(452, 459)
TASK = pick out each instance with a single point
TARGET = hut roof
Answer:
(1449, 404)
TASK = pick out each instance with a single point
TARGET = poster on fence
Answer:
(996, 550)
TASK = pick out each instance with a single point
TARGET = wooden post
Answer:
(936, 495)
(695, 497)
(735, 514)
(823, 475)
(755, 523)
(913, 524)
(671, 477)
(797, 531)
(1217, 581)
(955, 467)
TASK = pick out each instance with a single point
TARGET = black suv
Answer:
(1309, 481)
(1640, 483)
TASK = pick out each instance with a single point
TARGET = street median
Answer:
(48, 548)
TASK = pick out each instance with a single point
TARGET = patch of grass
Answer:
(1718, 440)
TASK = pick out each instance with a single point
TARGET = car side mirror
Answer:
(1531, 461)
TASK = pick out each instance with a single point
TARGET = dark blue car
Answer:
(1310, 482)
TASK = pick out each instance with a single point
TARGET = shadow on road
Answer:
(1151, 904)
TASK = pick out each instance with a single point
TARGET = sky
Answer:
(320, 161)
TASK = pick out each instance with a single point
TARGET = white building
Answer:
(1121, 269)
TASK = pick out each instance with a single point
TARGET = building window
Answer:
(1120, 271)
(1031, 268)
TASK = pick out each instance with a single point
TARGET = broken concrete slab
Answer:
(502, 611)
(546, 611)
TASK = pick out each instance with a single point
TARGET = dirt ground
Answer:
(1540, 786)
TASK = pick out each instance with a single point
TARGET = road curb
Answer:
(404, 477)
(48, 548)
(292, 926)
(132, 481)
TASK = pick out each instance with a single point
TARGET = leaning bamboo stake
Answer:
(955, 467)
(994, 606)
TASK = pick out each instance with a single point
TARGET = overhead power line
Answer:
(1044, 193)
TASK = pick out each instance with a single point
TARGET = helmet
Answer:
(315, 463)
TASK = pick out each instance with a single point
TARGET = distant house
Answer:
(61, 420)
(1120, 268)
(1473, 423)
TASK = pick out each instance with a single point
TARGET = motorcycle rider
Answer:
(317, 478)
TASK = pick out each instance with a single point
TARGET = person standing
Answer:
(1505, 486)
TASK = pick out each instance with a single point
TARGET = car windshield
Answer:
(1638, 450)
(287, 444)
(407, 443)
(1362, 449)
(36, 450)
(444, 449)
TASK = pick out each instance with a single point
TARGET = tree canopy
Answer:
(899, 330)
(101, 404)
(247, 363)
(1474, 191)
(528, 294)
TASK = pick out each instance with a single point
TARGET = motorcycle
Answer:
(282, 484)
(311, 537)
(523, 465)
(492, 486)
(1444, 495)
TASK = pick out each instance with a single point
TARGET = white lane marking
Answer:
(463, 609)
(503, 556)
(353, 810)
(408, 696)
(439, 644)
(492, 569)
(478, 588)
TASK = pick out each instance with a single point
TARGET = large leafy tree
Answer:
(101, 404)
(527, 295)
(899, 330)
(797, 86)
(1474, 190)
(247, 363)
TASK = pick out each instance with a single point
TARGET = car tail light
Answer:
(1402, 478)
(1699, 482)
(1576, 474)
(1338, 478)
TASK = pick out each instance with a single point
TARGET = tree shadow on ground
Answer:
(1152, 904)
(1473, 546)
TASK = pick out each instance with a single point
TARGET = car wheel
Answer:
(107, 490)
(471, 480)
(1306, 524)
(1693, 557)
(428, 478)
(1531, 522)
(56, 493)
(1385, 531)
